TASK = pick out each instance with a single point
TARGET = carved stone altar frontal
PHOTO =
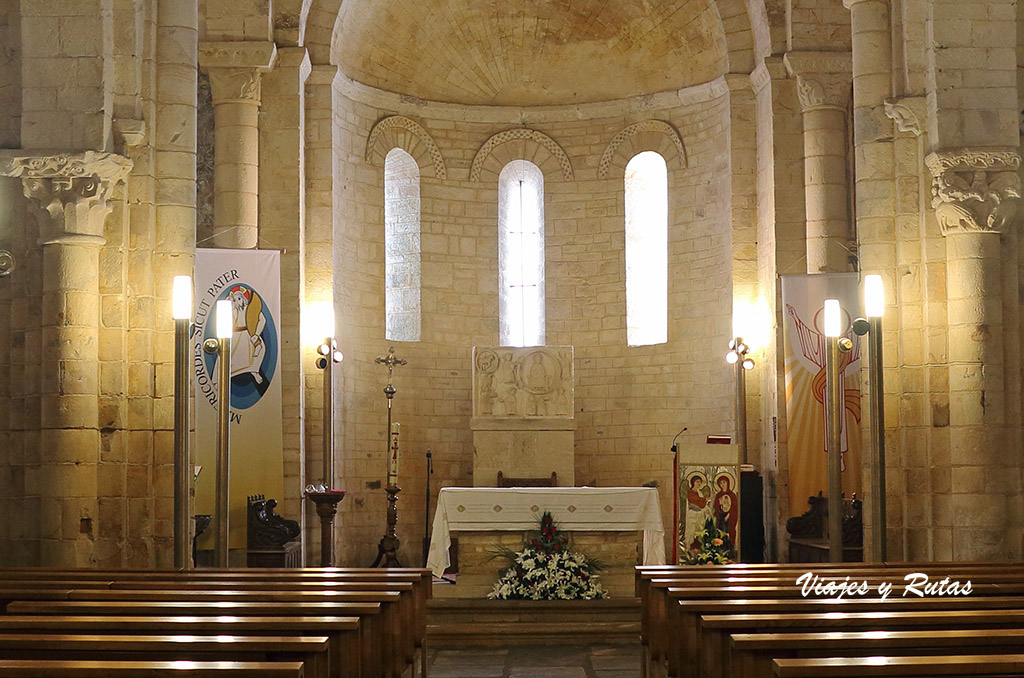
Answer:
(523, 382)
(523, 413)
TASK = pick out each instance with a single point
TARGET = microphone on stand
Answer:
(674, 448)
(675, 497)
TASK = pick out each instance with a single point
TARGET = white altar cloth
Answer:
(591, 509)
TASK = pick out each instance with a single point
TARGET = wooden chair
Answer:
(504, 481)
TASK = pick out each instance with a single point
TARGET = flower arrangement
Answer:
(545, 569)
(715, 547)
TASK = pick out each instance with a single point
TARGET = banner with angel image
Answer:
(803, 299)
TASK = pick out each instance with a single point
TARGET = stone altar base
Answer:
(478, 568)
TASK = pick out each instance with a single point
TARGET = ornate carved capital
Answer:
(70, 190)
(235, 85)
(822, 78)
(909, 113)
(235, 68)
(975, 190)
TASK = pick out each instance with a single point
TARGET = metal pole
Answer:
(741, 407)
(426, 511)
(223, 451)
(183, 472)
(833, 414)
(328, 437)
(876, 403)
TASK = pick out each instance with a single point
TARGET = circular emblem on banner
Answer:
(254, 346)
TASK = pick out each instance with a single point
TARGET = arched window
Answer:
(402, 246)
(521, 254)
(646, 250)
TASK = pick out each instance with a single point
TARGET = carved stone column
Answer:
(975, 193)
(823, 85)
(70, 195)
(235, 70)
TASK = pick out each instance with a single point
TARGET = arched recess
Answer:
(398, 131)
(520, 144)
(646, 135)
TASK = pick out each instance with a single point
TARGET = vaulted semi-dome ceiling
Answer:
(529, 52)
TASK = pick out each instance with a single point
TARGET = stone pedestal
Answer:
(523, 414)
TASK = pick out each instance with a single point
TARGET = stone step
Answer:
(492, 623)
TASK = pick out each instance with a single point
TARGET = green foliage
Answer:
(715, 547)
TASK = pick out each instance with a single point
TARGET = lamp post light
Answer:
(737, 356)
(181, 311)
(221, 346)
(874, 307)
(834, 344)
(326, 500)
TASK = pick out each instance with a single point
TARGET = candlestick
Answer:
(393, 456)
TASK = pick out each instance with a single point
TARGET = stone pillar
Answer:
(781, 250)
(875, 173)
(823, 85)
(283, 215)
(70, 194)
(318, 269)
(975, 194)
(235, 70)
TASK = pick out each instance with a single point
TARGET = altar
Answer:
(603, 522)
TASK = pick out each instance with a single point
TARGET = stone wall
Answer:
(630, 400)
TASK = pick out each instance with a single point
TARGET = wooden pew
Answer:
(401, 624)
(716, 629)
(968, 666)
(374, 652)
(311, 651)
(342, 632)
(751, 654)
(687, 640)
(665, 628)
(141, 669)
(307, 579)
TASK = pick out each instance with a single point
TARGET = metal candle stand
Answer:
(327, 500)
(387, 549)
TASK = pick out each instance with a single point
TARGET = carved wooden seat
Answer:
(271, 539)
(527, 482)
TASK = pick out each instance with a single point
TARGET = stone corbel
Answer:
(70, 190)
(975, 190)
(909, 113)
(823, 79)
(131, 132)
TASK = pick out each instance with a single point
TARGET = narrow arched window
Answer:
(646, 250)
(402, 246)
(521, 254)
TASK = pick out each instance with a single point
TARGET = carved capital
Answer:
(909, 113)
(235, 85)
(975, 190)
(70, 190)
(823, 79)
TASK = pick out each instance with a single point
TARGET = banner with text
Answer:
(803, 299)
(251, 280)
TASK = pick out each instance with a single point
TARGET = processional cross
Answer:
(387, 549)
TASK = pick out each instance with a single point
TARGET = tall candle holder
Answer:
(387, 549)
(325, 497)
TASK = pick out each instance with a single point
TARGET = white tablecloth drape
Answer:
(592, 509)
